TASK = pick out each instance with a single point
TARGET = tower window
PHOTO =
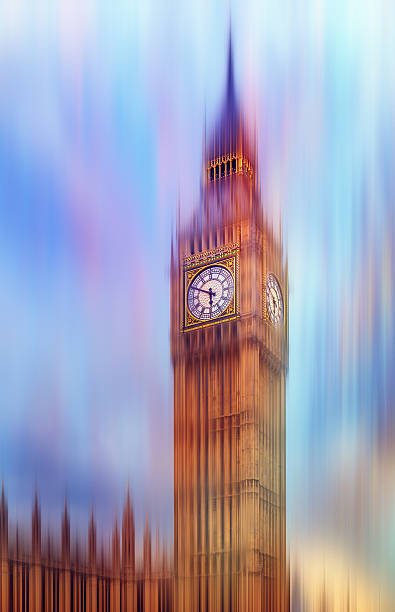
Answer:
(222, 169)
(211, 173)
(228, 167)
(217, 171)
(234, 164)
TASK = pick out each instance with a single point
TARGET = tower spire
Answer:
(230, 87)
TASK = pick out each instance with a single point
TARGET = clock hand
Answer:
(210, 292)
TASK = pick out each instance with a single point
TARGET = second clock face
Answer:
(274, 299)
(210, 293)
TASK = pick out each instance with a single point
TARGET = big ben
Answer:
(229, 344)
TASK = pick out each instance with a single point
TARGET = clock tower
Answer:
(229, 347)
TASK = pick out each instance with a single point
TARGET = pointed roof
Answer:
(128, 533)
(36, 514)
(127, 517)
(65, 517)
(3, 502)
(3, 518)
(36, 526)
(65, 532)
(92, 539)
(92, 525)
(147, 546)
(147, 531)
(230, 85)
(229, 134)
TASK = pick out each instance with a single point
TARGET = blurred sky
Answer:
(102, 114)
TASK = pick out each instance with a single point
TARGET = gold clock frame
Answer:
(228, 257)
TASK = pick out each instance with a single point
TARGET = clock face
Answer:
(274, 300)
(210, 293)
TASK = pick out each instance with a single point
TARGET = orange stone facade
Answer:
(229, 388)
